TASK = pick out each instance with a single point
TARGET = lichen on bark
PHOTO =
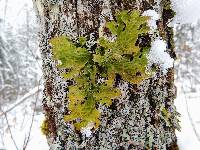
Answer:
(122, 57)
(137, 120)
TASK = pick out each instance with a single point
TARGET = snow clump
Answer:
(158, 55)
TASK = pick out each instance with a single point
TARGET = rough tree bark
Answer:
(133, 122)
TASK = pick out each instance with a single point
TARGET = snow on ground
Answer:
(187, 139)
(37, 140)
(19, 119)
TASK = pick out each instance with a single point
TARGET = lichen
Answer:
(125, 122)
(94, 70)
(44, 127)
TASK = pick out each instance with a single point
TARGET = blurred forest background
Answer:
(21, 79)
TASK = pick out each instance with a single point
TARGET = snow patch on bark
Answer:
(158, 55)
(154, 17)
(87, 130)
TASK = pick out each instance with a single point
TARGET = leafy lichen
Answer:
(94, 72)
(44, 127)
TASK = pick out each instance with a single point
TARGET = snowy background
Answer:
(21, 85)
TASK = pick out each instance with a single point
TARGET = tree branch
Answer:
(24, 98)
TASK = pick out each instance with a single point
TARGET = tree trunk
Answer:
(143, 118)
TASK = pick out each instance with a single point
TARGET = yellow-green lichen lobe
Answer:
(44, 127)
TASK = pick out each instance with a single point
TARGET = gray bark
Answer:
(135, 121)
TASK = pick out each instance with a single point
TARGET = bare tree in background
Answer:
(187, 48)
(19, 74)
(17, 46)
(187, 68)
(144, 118)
